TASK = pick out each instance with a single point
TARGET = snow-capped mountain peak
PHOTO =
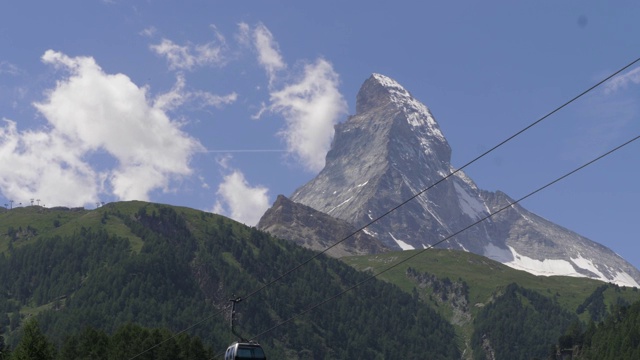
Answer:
(392, 149)
(379, 87)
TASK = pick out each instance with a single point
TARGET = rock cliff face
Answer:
(392, 149)
(316, 230)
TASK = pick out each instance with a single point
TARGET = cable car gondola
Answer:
(243, 349)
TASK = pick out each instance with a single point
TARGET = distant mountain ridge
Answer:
(393, 148)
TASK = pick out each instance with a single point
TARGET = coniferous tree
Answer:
(4, 349)
(33, 345)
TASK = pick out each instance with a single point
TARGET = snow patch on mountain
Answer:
(470, 205)
(403, 245)
(588, 265)
(625, 279)
(553, 267)
(463, 176)
(342, 203)
(370, 233)
(498, 254)
(417, 114)
(388, 82)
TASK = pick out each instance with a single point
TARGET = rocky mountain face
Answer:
(392, 149)
(316, 230)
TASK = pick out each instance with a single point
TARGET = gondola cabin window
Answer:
(244, 351)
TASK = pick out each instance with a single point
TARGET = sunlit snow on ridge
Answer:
(403, 98)
(403, 245)
(369, 232)
(342, 203)
(587, 264)
(552, 267)
(470, 205)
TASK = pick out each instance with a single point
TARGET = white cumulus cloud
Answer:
(41, 165)
(311, 107)
(94, 110)
(311, 104)
(91, 112)
(240, 201)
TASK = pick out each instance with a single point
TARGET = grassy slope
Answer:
(50, 222)
(484, 276)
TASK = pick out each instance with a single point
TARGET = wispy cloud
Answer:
(9, 69)
(149, 32)
(268, 52)
(244, 151)
(606, 117)
(179, 94)
(207, 99)
(623, 80)
(241, 201)
(190, 56)
(243, 36)
(173, 98)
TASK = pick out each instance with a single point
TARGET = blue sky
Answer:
(221, 105)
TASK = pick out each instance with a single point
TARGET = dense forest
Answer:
(520, 324)
(617, 337)
(127, 342)
(185, 272)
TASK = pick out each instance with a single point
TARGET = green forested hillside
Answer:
(498, 311)
(616, 337)
(519, 324)
(168, 267)
(137, 267)
(128, 342)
